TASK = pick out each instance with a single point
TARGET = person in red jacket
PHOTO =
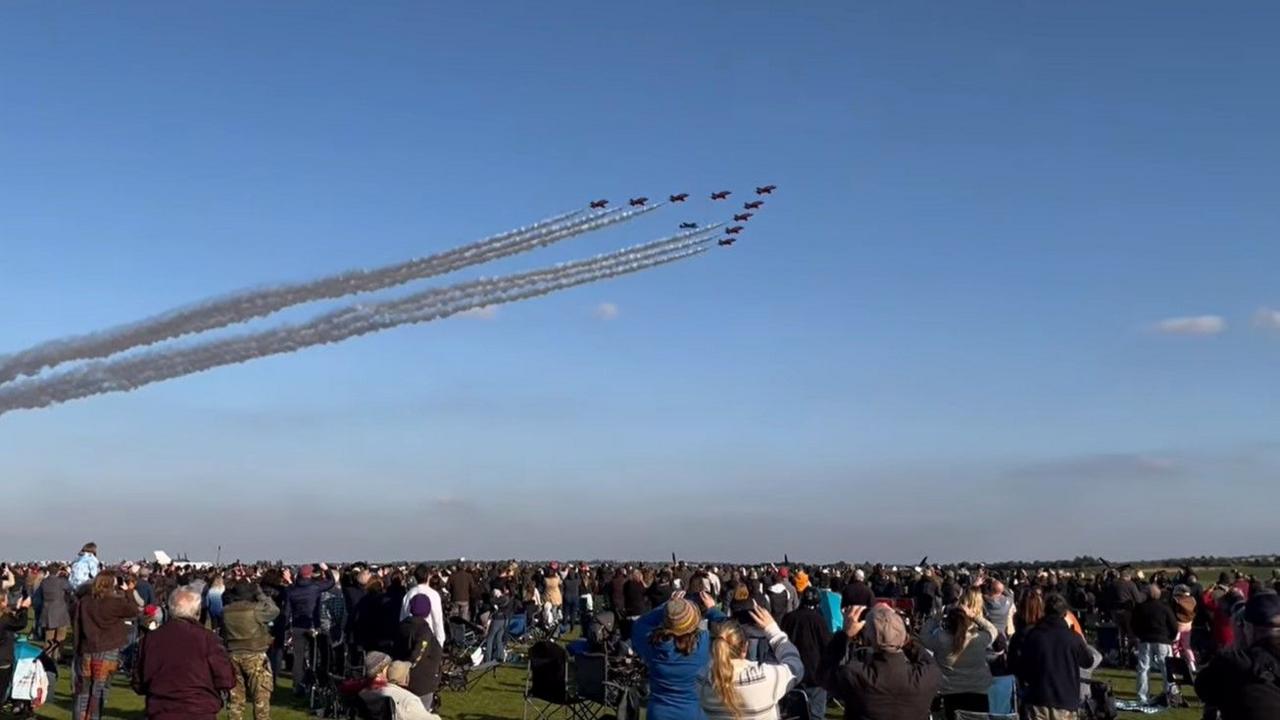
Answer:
(182, 668)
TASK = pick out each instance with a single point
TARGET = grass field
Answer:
(497, 697)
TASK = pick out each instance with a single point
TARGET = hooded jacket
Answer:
(1243, 684)
(967, 672)
(245, 625)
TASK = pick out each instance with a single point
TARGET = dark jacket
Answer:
(876, 685)
(302, 603)
(811, 634)
(377, 621)
(856, 593)
(245, 625)
(1154, 622)
(55, 596)
(617, 598)
(462, 587)
(1243, 684)
(182, 670)
(634, 599)
(14, 621)
(1047, 660)
(100, 622)
(418, 645)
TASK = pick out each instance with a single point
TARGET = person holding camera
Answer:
(888, 677)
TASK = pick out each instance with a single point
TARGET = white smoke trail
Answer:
(131, 373)
(248, 305)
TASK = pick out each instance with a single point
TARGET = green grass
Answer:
(498, 696)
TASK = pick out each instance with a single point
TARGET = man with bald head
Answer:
(182, 668)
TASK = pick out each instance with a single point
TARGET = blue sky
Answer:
(941, 337)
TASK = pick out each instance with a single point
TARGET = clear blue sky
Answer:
(941, 338)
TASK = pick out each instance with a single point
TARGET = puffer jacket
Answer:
(967, 672)
(245, 625)
(1243, 684)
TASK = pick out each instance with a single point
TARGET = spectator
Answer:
(675, 647)
(810, 632)
(86, 567)
(55, 594)
(999, 609)
(420, 649)
(377, 618)
(959, 642)
(182, 668)
(1047, 659)
(1242, 682)
(572, 597)
(12, 620)
(1184, 610)
(856, 592)
(246, 619)
(464, 590)
(302, 615)
(379, 691)
(734, 688)
(422, 586)
(101, 633)
(890, 678)
(1155, 627)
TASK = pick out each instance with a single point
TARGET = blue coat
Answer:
(673, 677)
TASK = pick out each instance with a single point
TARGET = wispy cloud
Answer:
(1267, 319)
(1194, 325)
(1100, 468)
(606, 311)
(488, 312)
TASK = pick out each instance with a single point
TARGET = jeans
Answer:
(301, 642)
(1151, 654)
(462, 610)
(817, 702)
(570, 613)
(495, 640)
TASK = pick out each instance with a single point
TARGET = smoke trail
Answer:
(131, 373)
(248, 305)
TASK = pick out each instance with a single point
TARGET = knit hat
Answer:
(375, 662)
(885, 629)
(306, 571)
(420, 606)
(682, 617)
(783, 572)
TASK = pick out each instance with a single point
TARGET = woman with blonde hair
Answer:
(735, 688)
(960, 641)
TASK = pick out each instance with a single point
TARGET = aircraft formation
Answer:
(731, 233)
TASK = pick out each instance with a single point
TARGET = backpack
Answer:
(1099, 703)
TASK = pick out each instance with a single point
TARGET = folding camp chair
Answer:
(548, 691)
(593, 685)
(794, 706)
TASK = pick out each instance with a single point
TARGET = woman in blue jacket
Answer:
(672, 640)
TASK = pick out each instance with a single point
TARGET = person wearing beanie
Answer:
(1242, 682)
(889, 677)
(246, 619)
(419, 648)
(378, 692)
(302, 616)
(673, 642)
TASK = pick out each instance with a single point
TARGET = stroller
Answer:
(324, 669)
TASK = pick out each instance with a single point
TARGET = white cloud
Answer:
(606, 311)
(1267, 319)
(1196, 325)
(488, 312)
